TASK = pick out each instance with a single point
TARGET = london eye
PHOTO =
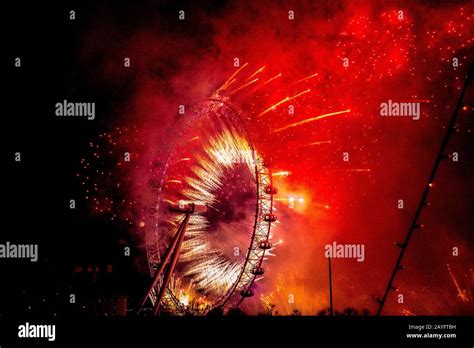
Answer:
(209, 220)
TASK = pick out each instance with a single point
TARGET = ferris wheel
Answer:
(208, 224)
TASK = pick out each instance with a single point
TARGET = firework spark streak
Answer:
(462, 293)
(272, 79)
(304, 79)
(287, 99)
(358, 170)
(282, 173)
(244, 86)
(256, 72)
(317, 143)
(312, 119)
(231, 79)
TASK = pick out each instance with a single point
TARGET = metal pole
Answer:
(170, 269)
(331, 311)
(428, 186)
(158, 272)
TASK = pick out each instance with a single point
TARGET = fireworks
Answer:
(244, 86)
(282, 173)
(209, 261)
(305, 79)
(285, 100)
(231, 79)
(290, 297)
(463, 294)
(213, 180)
(272, 79)
(311, 119)
(382, 54)
(256, 72)
(358, 170)
(317, 143)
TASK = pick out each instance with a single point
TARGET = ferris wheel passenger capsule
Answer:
(247, 293)
(257, 270)
(265, 245)
(271, 190)
(269, 218)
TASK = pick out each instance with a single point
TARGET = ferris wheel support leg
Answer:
(174, 259)
(158, 272)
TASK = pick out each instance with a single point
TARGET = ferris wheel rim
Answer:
(245, 280)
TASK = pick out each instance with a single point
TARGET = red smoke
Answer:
(392, 55)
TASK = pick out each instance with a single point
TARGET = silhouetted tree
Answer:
(216, 312)
(235, 312)
(349, 311)
(269, 310)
